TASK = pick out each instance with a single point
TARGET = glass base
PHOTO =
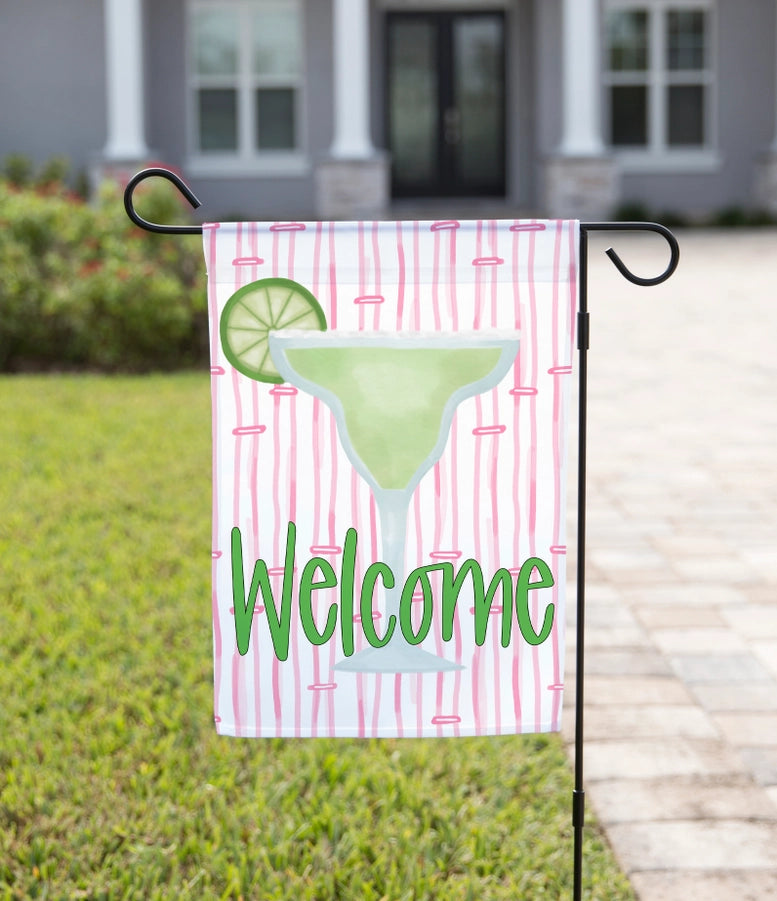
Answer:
(396, 657)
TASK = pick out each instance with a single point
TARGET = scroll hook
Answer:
(152, 226)
(674, 248)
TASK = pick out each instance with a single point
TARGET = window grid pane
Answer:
(627, 40)
(629, 115)
(215, 43)
(246, 67)
(275, 119)
(685, 115)
(658, 77)
(217, 109)
(685, 40)
(276, 42)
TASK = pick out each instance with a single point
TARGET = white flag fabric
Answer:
(389, 440)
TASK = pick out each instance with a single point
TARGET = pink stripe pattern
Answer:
(247, 261)
(496, 496)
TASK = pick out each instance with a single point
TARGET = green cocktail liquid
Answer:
(393, 398)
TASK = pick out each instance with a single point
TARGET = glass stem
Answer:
(393, 505)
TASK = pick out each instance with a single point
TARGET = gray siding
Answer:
(165, 85)
(52, 80)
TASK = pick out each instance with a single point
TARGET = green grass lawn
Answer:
(113, 783)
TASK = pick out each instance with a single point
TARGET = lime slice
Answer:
(253, 311)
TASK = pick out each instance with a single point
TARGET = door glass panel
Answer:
(478, 134)
(413, 119)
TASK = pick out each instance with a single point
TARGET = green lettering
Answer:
(451, 586)
(347, 569)
(417, 576)
(244, 611)
(523, 587)
(280, 626)
(307, 585)
(365, 604)
(482, 599)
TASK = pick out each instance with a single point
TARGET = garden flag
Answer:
(389, 416)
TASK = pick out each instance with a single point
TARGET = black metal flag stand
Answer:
(578, 794)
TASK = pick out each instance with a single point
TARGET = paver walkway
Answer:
(681, 625)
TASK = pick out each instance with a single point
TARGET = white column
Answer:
(124, 75)
(581, 79)
(352, 81)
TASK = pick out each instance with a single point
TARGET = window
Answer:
(246, 76)
(659, 76)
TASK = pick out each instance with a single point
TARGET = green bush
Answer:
(741, 217)
(82, 287)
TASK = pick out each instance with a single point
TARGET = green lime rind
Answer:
(256, 309)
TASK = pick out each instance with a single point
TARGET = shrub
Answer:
(82, 287)
(741, 217)
(632, 211)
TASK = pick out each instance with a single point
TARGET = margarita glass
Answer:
(393, 396)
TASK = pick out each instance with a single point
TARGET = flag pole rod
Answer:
(578, 792)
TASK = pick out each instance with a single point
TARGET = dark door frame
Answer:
(447, 182)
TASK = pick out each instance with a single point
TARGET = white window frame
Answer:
(658, 155)
(247, 160)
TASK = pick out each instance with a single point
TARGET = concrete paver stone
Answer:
(716, 885)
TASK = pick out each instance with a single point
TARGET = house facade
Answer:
(348, 108)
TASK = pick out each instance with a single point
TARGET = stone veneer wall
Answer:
(580, 188)
(352, 189)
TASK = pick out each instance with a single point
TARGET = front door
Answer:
(446, 116)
